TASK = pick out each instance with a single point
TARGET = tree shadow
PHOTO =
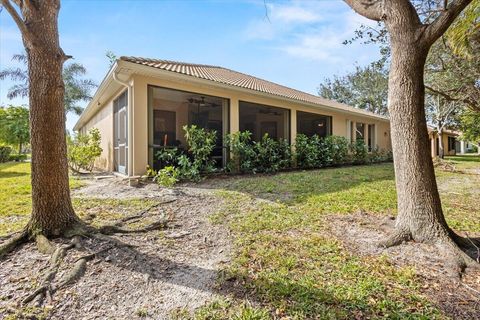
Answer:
(296, 186)
(11, 174)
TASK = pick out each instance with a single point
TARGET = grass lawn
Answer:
(16, 202)
(291, 267)
(285, 260)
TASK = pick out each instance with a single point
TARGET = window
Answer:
(310, 124)
(170, 110)
(451, 143)
(260, 120)
(360, 131)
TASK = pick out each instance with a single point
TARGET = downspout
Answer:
(130, 122)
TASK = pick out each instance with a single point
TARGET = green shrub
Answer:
(17, 157)
(167, 177)
(242, 152)
(359, 152)
(169, 156)
(316, 152)
(201, 143)
(83, 149)
(5, 153)
(337, 148)
(271, 155)
(306, 151)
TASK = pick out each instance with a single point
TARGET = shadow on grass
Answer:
(296, 186)
(12, 174)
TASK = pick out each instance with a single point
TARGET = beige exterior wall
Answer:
(140, 117)
(434, 146)
(103, 121)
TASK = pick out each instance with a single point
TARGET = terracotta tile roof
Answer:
(238, 79)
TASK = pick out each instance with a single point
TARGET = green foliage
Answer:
(243, 153)
(271, 155)
(14, 126)
(5, 153)
(337, 148)
(76, 88)
(463, 34)
(316, 152)
(83, 149)
(167, 177)
(267, 155)
(201, 143)
(359, 152)
(365, 88)
(17, 157)
(470, 126)
(198, 161)
(169, 156)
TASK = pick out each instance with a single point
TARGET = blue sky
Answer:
(298, 45)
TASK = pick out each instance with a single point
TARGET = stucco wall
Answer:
(103, 121)
(140, 117)
(103, 118)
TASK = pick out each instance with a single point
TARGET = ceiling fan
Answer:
(202, 103)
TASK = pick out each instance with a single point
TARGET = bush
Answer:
(169, 156)
(306, 151)
(337, 148)
(267, 155)
(271, 155)
(17, 157)
(316, 152)
(167, 177)
(5, 153)
(201, 143)
(83, 149)
(242, 151)
(359, 152)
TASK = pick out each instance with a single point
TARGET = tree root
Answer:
(13, 242)
(398, 237)
(49, 283)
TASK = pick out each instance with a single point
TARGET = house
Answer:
(452, 143)
(142, 105)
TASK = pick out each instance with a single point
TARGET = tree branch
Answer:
(438, 27)
(371, 9)
(16, 17)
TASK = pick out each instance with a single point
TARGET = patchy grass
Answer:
(288, 264)
(15, 195)
(467, 161)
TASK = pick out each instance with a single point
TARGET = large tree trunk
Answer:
(420, 215)
(52, 211)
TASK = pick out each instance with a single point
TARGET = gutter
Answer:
(130, 121)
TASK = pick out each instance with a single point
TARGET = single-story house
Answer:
(453, 143)
(142, 105)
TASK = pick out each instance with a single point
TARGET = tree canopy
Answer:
(14, 126)
(365, 88)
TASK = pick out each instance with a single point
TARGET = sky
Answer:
(293, 43)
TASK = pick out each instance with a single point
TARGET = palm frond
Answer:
(18, 90)
(20, 57)
(15, 74)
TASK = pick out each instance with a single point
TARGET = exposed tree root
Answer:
(49, 283)
(457, 250)
(398, 237)
(13, 242)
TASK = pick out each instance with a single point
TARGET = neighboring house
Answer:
(452, 143)
(142, 105)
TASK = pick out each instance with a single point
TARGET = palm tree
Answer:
(76, 89)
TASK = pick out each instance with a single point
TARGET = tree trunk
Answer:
(52, 211)
(20, 148)
(420, 215)
(441, 149)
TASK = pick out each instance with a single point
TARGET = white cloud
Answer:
(292, 14)
(311, 30)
